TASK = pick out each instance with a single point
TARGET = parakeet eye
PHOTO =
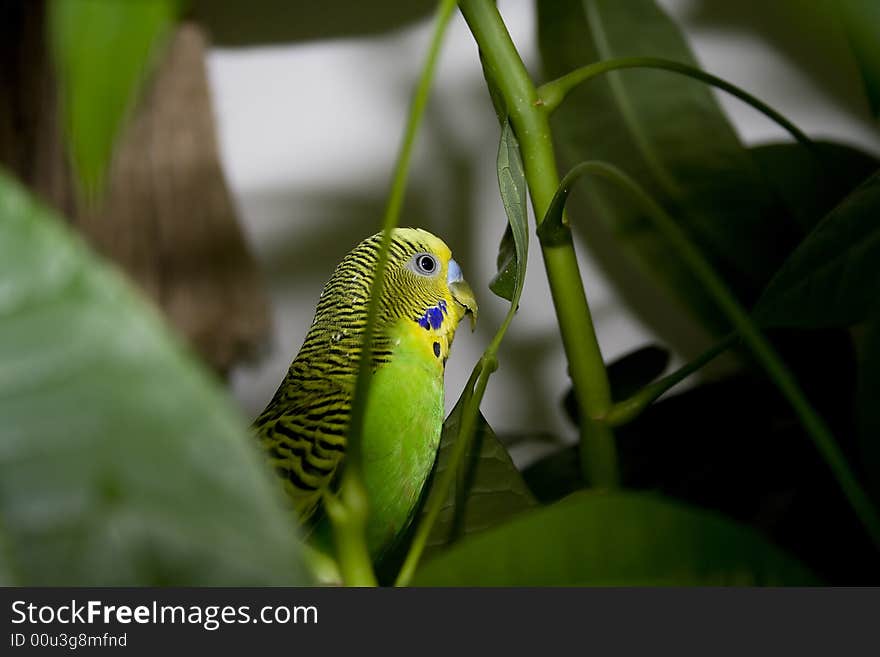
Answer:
(425, 264)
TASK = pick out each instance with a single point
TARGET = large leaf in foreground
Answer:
(670, 135)
(102, 52)
(833, 277)
(121, 461)
(614, 539)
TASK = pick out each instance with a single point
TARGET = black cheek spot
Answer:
(437, 349)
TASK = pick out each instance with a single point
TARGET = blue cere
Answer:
(433, 317)
(453, 273)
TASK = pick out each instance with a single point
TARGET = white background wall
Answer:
(309, 134)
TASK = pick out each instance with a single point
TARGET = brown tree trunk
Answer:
(166, 215)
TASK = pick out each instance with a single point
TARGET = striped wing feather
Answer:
(303, 432)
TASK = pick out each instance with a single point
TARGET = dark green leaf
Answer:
(122, 462)
(512, 255)
(833, 277)
(504, 281)
(518, 438)
(861, 19)
(811, 188)
(103, 51)
(555, 229)
(264, 22)
(627, 375)
(702, 447)
(496, 490)
(556, 475)
(669, 134)
(868, 407)
(604, 539)
(7, 578)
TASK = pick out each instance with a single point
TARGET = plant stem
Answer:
(759, 345)
(445, 8)
(629, 409)
(348, 526)
(348, 515)
(554, 230)
(554, 92)
(390, 221)
(530, 122)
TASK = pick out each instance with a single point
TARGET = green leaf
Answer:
(868, 409)
(7, 579)
(233, 23)
(122, 462)
(626, 375)
(633, 371)
(602, 539)
(504, 282)
(635, 383)
(861, 19)
(103, 51)
(495, 490)
(556, 475)
(668, 133)
(790, 495)
(833, 277)
(512, 253)
(811, 189)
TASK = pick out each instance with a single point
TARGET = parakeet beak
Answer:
(461, 291)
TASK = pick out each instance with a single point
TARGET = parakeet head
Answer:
(425, 293)
(423, 282)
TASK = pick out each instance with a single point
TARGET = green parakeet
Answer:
(303, 429)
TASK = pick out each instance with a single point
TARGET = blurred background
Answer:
(308, 133)
(224, 156)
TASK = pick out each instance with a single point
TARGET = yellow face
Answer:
(424, 289)
(422, 276)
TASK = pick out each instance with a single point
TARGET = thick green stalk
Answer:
(530, 122)
(349, 520)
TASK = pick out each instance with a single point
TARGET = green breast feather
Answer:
(401, 433)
